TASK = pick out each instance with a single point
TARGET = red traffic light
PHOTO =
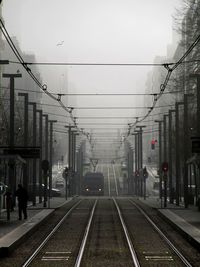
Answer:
(153, 142)
(165, 166)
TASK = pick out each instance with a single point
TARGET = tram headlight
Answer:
(99, 189)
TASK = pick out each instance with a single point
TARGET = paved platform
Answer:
(186, 221)
(13, 232)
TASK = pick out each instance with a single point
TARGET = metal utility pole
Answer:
(136, 165)
(80, 166)
(131, 168)
(51, 155)
(177, 153)
(197, 76)
(74, 182)
(185, 175)
(34, 145)
(12, 178)
(171, 188)
(68, 179)
(139, 178)
(79, 163)
(186, 149)
(165, 156)
(46, 155)
(143, 179)
(25, 167)
(40, 162)
(160, 157)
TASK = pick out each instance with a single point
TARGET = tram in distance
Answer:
(93, 184)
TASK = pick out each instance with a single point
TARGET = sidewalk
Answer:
(186, 221)
(13, 231)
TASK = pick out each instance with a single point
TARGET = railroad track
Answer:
(106, 232)
(112, 181)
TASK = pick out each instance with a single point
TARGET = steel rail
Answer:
(35, 253)
(177, 252)
(130, 244)
(82, 247)
(116, 187)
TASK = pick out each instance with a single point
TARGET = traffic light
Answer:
(153, 142)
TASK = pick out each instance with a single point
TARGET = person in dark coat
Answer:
(22, 197)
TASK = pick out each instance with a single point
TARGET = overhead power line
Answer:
(43, 87)
(170, 67)
(108, 63)
(91, 64)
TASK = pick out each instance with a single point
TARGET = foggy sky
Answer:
(106, 31)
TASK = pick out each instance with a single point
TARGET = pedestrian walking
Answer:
(22, 197)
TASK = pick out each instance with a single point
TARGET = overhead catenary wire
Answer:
(94, 94)
(167, 78)
(30, 73)
(91, 64)
(169, 66)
